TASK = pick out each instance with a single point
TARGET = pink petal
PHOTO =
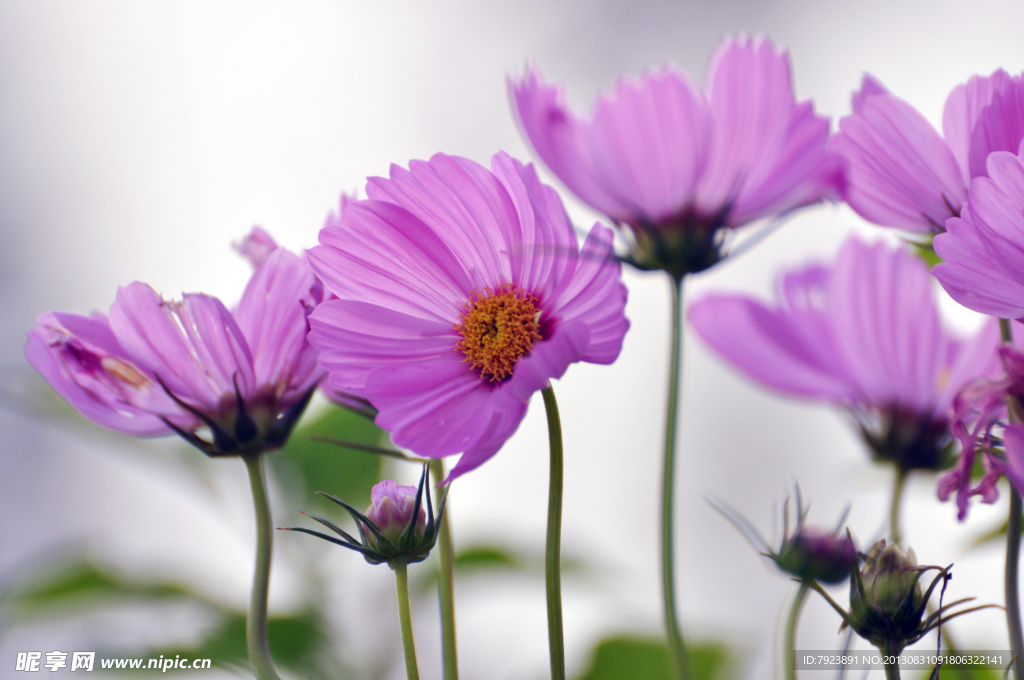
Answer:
(431, 280)
(887, 326)
(901, 172)
(968, 276)
(356, 337)
(436, 407)
(777, 349)
(76, 361)
(197, 369)
(1014, 440)
(464, 205)
(557, 136)
(256, 246)
(596, 297)
(648, 145)
(999, 126)
(963, 107)
(272, 317)
(869, 87)
(768, 152)
(544, 250)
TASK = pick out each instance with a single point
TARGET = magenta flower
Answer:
(154, 367)
(983, 249)
(863, 333)
(461, 291)
(902, 173)
(676, 165)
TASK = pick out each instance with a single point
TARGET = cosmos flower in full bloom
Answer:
(155, 367)
(863, 333)
(677, 167)
(902, 173)
(460, 292)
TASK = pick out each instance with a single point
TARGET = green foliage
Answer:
(483, 557)
(295, 642)
(632, 658)
(81, 584)
(345, 473)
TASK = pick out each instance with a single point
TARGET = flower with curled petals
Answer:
(902, 173)
(677, 167)
(155, 367)
(983, 249)
(460, 292)
(863, 333)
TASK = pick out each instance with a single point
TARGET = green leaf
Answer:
(342, 472)
(630, 658)
(81, 583)
(294, 641)
(482, 557)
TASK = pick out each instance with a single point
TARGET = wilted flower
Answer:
(980, 411)
(863, 333)
(395, 528)
(902, 173)
(677, 167)
(461, 292)
(154, 367)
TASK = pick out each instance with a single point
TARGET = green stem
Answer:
(445, 585)
(1013, 531)
(894, 511)
(794, 616)
(679, 661)
(552, 550)
(405, 617)
(892, 670)
(256, 624)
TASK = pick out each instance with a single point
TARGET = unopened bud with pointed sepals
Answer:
(813, 554)
(392, 510)
(886, 600)
(395, 528)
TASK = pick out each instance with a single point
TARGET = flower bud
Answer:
(392, 511)
(812, 554)
(886, 602)
(395, 529)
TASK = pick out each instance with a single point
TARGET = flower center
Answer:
(498, 328)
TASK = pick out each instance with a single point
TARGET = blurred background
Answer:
(138, 140)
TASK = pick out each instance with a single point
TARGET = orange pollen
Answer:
(498, 329)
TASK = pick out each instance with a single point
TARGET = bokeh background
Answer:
(138, 140)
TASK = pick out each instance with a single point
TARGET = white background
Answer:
(139, 139)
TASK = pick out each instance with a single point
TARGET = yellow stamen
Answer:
(498, 328)
(123, 371)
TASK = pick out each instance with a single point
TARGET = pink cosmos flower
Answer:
(676, 165)
(461, 291)
(154, 367)
(902, 173)
(863, 333)
(983, 249)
